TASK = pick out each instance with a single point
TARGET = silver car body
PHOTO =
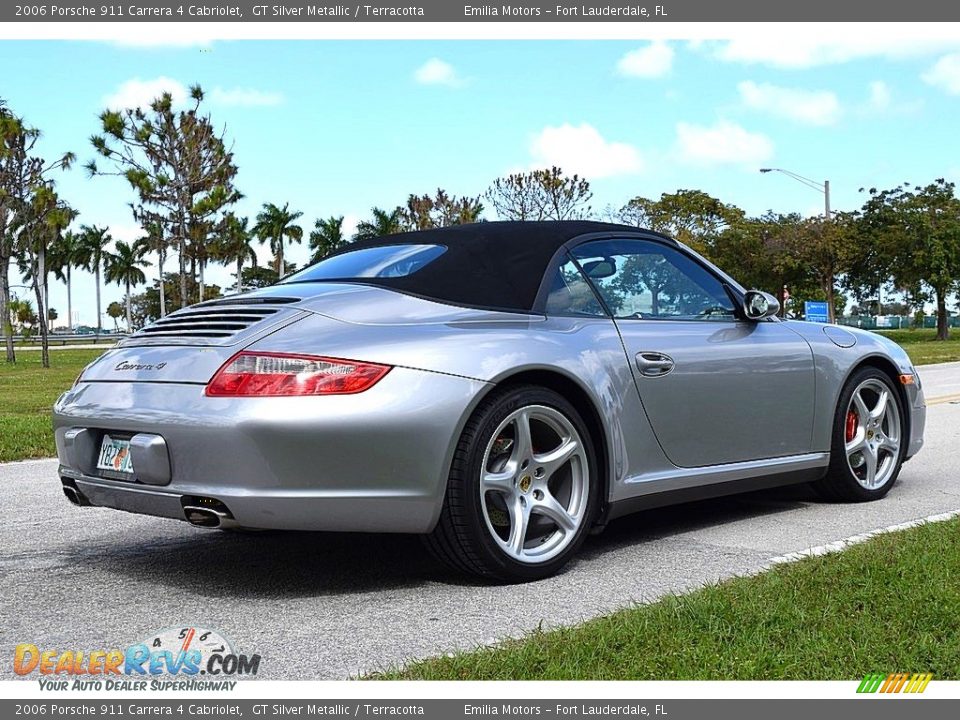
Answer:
(747, 405)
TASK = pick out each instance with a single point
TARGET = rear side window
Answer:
(385, 261)
(570, 294)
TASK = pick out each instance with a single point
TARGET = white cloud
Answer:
(244, 97)
(583, 150)
(437, 72)
(945, 74)
(137, 93)
(805, 50)
(652, 61)
(812, 107)
(880, 96)
(725, 143)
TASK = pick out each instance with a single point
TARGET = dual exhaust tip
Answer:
(199, 511)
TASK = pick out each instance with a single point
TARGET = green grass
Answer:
(891, 604)
(922, 348)
(27, 392)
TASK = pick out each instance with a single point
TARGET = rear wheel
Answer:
(522, 490)
(868, 439)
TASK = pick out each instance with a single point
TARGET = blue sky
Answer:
(337, 127)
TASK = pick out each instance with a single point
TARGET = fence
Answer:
(893, 322)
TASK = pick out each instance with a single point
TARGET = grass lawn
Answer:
(27, 392)
(922, 348)
(889, 605)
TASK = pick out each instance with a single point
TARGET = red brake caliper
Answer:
(852, 421)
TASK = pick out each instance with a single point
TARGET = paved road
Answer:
(329, 606)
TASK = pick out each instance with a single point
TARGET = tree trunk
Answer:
(183, 264)
(203, 285)
(129, 323)
(943, 322)
(827, 287)
(163, 293)
(5, 323)
(280, 257)
(41, 318)
(69, 301)
(239, 272)
(96, 273)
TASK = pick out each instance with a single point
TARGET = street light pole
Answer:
(824, 188)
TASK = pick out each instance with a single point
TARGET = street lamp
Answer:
(824, 188)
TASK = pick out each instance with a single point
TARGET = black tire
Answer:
(461, 538)
(840, 484)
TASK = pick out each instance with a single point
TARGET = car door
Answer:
(716, 388)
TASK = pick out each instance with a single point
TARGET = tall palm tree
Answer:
(275, 224)
(326, 237)
(156, 240)
(233, 244)
(93, 250)
(383, 223)
(123, 268)
(64, 256)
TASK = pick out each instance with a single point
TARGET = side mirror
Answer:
(758, 305)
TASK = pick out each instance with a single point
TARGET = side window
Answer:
(570, 294)
(648, 280)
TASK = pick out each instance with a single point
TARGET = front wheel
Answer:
(869, 437)
(522, 491)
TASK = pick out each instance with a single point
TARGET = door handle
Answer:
(654, 364)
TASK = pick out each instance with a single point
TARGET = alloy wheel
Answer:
(872, 434)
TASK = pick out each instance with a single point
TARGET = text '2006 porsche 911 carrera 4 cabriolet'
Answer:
(500, 388)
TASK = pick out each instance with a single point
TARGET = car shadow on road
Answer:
(300, 564)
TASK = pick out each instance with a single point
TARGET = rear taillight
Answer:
(252, 374)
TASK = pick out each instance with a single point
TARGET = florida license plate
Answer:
(115, 455)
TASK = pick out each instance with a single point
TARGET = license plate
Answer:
(115, 455)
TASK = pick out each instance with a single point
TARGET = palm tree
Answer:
(233, 244)
(326, 237)
(155, 240)
(123, 268)
(383, 223)
(276, 224)
(93, 250)
(64, 256)
(115, 311)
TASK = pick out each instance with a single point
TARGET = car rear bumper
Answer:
(372, 462)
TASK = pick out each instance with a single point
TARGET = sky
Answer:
(337, 127)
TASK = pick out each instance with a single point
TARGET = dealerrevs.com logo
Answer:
(184, 658)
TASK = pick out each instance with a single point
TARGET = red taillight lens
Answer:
(250, 374)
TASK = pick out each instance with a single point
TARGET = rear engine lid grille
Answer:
(218, 322)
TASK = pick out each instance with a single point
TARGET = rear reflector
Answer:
(250, 374)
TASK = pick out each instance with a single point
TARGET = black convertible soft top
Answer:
(488, 264)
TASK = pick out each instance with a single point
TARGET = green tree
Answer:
(145, 306)
(915, 233)
(276, 225)
(94, 242)
(155, 240)
(259, 276)
(326, 237)
(28, 204)
(382, 223)
(234, 245)
(540, 195)
(177, 163)
(115, 311)
(64, 257)
(424, 212)
(123, 267)
(691, 216)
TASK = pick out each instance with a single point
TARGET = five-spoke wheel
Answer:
(868, 438)
(523, 488)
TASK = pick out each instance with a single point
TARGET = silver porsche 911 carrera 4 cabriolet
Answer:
(500, 388)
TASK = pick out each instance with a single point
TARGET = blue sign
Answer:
(816, 311)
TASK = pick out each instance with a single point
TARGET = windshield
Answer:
(385, 261)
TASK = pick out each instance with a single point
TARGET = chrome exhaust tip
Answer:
(72, 494)
(207, 512)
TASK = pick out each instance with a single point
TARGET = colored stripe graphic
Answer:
(895, 683)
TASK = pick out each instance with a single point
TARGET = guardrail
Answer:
(66, 339)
